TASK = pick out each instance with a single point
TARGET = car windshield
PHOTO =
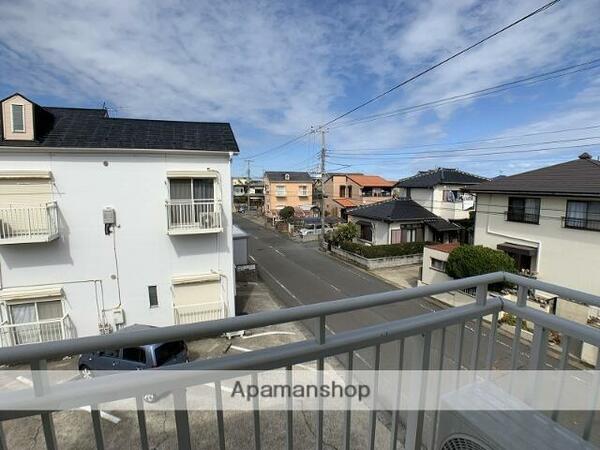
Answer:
(168, 351)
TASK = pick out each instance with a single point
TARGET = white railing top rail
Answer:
(43, 351)
(11, 205)
(7, 324)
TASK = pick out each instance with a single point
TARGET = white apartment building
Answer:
(440, 191)
(548, 220)
(106, 222)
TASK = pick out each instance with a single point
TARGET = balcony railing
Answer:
(193, 217)
(23, 223)
(36, 332)
(200, 312)
(473, 328)
(581, 224)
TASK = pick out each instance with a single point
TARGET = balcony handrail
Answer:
(42, 321)
(69, 347)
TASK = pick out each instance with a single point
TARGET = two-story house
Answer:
(548, 220)
(107, 221)
(344, 191)
(440, 191)
(248, 190)
(283, 189)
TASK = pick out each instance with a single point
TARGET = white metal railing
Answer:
(29, 222)
(193, 216)
(199, 312)
(35, 332)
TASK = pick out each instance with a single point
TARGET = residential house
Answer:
(287, 189)
(349, 190)
(440, 191)
(400, 220)
(107, 221)
(548, 220)
(246, 187)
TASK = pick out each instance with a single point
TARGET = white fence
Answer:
(199, 312)
(193, 216)
(22, 222)
(36, 332)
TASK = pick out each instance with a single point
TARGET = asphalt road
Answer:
(300, 274)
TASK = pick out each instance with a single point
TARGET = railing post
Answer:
(40, 386)
(414, 421)
(521, 303)
(320, 334)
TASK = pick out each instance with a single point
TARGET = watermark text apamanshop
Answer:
(330, 390)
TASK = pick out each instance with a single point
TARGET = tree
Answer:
(344, 233)
(471, 260)
(287, 213)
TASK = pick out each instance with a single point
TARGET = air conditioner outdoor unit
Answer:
(506, 424)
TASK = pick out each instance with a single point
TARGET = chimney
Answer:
(585, 155)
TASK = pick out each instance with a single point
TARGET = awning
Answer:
(442, 225)
(517, 249)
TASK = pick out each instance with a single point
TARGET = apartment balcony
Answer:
(460, 339)
(193, 217)
(36, 332)
(200, 312)
(21, 224)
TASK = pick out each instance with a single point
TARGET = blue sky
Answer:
(273, 69)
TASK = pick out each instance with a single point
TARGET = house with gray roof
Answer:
(294, 189)
(548, 220)
(398, 221)
(105, 222)
(440, 191)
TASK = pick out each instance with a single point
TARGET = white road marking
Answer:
(252, 258)
(281, 285)
(240, 349)
(328, 328)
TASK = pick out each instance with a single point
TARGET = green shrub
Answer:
(286, 213)
(470, 260)
(344, 233)
(381, 251)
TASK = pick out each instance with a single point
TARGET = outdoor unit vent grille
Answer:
(463, 442)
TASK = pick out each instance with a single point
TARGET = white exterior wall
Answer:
(382, 231)
(433, 200)
(136, 186)
(566, 256)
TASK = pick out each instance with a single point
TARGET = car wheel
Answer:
(150, 398)
(86, 372)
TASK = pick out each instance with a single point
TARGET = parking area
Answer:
(120, 428)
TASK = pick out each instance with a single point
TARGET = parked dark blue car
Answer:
(134, 358)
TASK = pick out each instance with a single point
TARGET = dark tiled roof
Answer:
(294, 176)
(93, 128)
(430, 178)
(441, 224)
(393, 211)
(580, 177)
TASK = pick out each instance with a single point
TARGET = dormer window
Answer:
(18, 118)
(287, 177)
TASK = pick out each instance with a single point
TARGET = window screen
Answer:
(152, 296)
(18, 119)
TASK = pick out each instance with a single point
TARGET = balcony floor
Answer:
(186, 231)
(29, 239)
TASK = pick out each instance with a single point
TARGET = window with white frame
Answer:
(303, 191)
(18, 118)
(35, 321)
(280, 190)
(192, 200)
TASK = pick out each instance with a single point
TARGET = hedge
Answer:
(382, 251)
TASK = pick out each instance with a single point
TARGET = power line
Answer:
(444, 61)
(500, 138)
(458, 150)
(534, 79)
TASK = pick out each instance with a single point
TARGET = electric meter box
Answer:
(109, 216)
(119, 316)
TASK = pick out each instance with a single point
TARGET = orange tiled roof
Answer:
(345, 202)
(446, 248)
(371, 180)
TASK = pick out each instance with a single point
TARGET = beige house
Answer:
(548, 220)
(348, 190)
(440, 191)
(287, 189)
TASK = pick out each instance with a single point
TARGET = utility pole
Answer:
(322, 170)
(248, 161)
